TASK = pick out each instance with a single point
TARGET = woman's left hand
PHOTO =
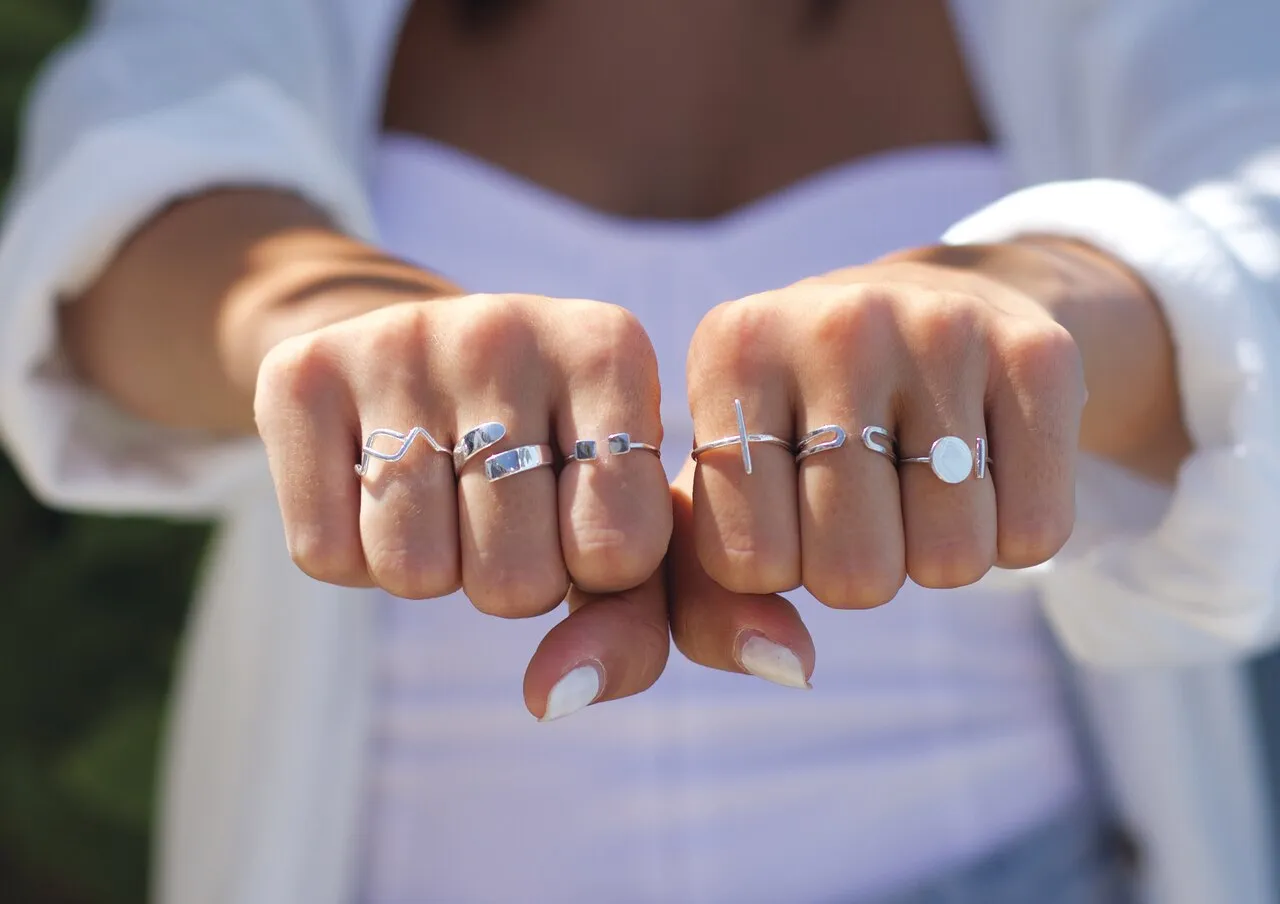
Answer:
(964, 343)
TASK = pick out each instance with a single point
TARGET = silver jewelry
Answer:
(809, 445)
(517, 461)
(743, 439)
(953, 461)
(406, 440)
(618, 444)
(475, 441)
(880, 440)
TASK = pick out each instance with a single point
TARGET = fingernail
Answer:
(577, 690)
(772, 662)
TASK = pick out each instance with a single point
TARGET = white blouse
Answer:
(938, 728)
(1169, 108)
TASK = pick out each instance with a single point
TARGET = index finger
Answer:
(754, 634)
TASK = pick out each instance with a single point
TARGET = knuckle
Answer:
(410, 573)
(1044, 361)
(488, 329)
(866, 315)
(851, 587)
(297, 372)
(849, 328)
(1034, 537)
(734, 336)
(948, 563)
(610, 346)
(325, 556)
(950, 325)
(523, 592)
(742, 565)
(604, 559)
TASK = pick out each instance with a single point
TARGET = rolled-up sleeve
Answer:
(1185, 124)
(156, 101)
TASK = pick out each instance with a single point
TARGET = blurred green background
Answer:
(90, 611)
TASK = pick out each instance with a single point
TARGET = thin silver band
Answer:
(475, 441)
(743, 439)
(617, 443)
(517, 461)
(406, 441)
(809, 443)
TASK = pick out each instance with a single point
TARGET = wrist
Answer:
(307, 281)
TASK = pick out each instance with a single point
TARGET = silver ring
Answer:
(953, 461)
(880, 440)
(406, 441)
(517, 461)
(809, 445)
(743, 439)
(475, 441)
(618, 444)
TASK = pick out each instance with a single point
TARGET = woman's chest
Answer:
(671, 109)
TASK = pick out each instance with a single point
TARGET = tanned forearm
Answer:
(175, 328)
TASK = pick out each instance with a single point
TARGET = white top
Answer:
(936, 729)
(1171, 108)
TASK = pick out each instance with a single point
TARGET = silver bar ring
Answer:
(953, 461)
(405, 440)
(809, 444)
(517, 461)
(743, 439)
(617, 443)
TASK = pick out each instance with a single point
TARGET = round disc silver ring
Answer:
(406, 442)
(617, 443)
(953, 461)
(517, 461)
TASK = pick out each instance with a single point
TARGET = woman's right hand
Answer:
(552, 371)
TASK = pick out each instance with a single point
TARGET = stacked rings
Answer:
(500, 465)
(950, 457)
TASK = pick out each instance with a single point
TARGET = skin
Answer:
(245, 310)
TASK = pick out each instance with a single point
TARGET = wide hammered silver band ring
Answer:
(742, 440)
(953, 461)
(517, 461)
(406, 442)
(585, 450)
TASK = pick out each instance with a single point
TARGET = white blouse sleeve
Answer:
(156, 100)
(1184, 121)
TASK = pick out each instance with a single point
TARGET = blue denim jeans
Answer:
(1075, 858)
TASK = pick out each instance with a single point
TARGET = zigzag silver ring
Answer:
(406, 441)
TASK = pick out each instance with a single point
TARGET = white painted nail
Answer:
(772, 662)
(576, 690)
